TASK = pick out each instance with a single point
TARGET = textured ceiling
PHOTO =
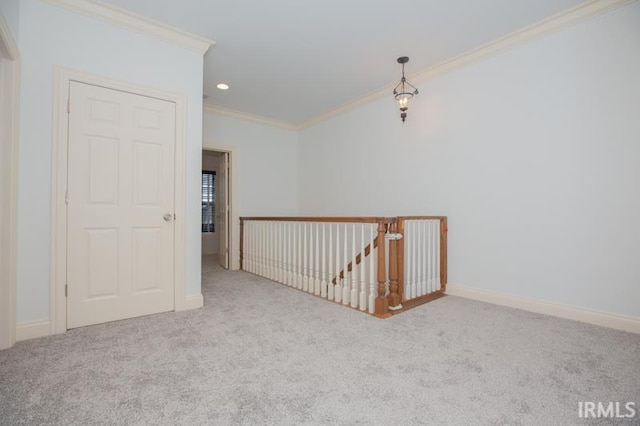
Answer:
(293, 60)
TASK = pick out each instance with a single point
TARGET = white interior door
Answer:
(120, 232)
(222, 209)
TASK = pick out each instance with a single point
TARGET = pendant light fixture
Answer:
(404, 91)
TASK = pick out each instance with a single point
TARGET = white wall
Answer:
(534, 155)
(210, 244)
(263, 168)
(51, 36)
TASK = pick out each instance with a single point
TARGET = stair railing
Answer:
(355, 261)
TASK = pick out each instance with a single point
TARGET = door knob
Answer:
(168, 217)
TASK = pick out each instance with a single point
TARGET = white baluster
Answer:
(422, 257)
(312, 257)
(285, 260)
(298, 255)
(431, 282)
(310, 278)
(272, 248)
(274, 251)
(309, 244)
(354, 269)
(246, 250)
(345, 267)
(323, 283)
(338, 286)
(267, 254)
(290, 253)
(254, 247)
(438, 284)
(249, 246)
(268, 242)
(305, 260)
(258, 248)
(263, 250)
(428, 255)
(408, 256)
(265, 257)
(372, 276)
(418, 251)
(280, 252)
(424, 243)
(363, 284)
(292, 258)
(330, 284)
(269, 250)
(294, 253)
(410, 260)
(316, 284)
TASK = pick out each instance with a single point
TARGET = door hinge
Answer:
(66, 290)
(68, 105)
(66, 197)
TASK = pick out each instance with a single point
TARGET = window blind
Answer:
(208, 201)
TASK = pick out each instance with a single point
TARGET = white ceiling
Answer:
(293, 60)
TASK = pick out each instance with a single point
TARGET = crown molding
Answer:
(137, 23)
(214, 109)
(8, 46)
(557, 22)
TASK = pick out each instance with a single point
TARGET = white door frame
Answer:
(10, 79)
(233, 222)
(58, 273)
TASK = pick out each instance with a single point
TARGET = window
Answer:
(208, 201)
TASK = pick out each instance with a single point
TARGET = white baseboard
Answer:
(193, 301)
(32, 330)
(603, 319)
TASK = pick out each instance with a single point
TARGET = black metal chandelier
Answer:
(404, 91)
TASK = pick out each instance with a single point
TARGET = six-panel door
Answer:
(120, 205)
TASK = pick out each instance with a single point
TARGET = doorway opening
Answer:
(216, 201)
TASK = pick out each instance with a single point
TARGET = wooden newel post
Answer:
(241, 240)
(444, 230)
(393, 298)
(382, 306)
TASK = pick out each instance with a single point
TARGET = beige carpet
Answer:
(262, 353)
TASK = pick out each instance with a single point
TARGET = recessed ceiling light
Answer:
(222, 86)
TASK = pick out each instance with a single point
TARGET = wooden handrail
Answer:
(336, 219)
(403, 218)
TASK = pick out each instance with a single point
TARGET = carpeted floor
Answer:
(262, 353)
